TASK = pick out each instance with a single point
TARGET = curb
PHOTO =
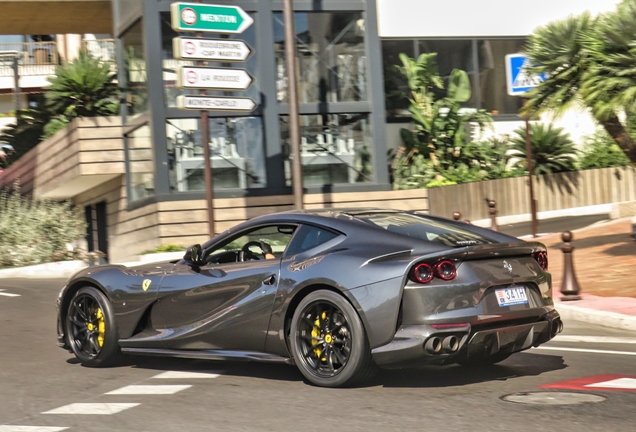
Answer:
(597, 317)
(62, 269)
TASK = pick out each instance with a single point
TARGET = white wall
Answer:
(463, 18)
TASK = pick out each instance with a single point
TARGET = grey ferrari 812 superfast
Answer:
(337, 292)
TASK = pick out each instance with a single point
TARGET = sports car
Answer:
(337, 292)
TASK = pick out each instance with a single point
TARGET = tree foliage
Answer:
(552, 150)
(83, 88)
(439, 142)
(601, 151)
(588, 61)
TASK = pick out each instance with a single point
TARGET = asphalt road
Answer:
(36, 376)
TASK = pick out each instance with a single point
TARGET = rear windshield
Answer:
(424, 229)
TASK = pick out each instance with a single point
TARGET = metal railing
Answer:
(103, 49)
(29, 53)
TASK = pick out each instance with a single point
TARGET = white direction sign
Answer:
(227, 50)
(215, 103)
(518, 80)
(192, 77)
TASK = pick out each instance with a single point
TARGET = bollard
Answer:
(457, 216)
(493, 215)
(570, 285)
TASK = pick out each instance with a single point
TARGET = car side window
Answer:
(267, 242)
(308, 237)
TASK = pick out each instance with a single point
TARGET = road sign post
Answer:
(196, 77)
(225, 50)
(199, 18)
(209, 18)
(215, 103)
(519, 81)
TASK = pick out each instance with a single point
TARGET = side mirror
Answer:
(194, 254)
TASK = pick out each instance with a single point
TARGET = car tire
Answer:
(91, 328)
(340, 355)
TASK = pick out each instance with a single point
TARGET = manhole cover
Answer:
(553, 398)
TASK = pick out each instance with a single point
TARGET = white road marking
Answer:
(619, 383)
(595, 339)
(186, 375)
(10, 428)
(551, 348)
(92, 408)
(148, 389)
(6, 294)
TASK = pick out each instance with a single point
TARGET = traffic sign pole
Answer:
(519, 82)
(294, 116)
(533, 201)
(207, 155)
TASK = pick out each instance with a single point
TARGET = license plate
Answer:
(511, 296)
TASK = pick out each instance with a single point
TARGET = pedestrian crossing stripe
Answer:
(187, 375)
(6, 294)
(609, 382)
(149, 390)
(92, 408)
(16, 428)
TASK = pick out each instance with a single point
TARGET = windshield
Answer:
(424, 229)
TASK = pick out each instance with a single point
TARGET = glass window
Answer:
(330, 56)
(170, 64)
(141, 176)
(452, 54)
(237, 148)
(422, 228)
(263, 243)
(492, 75)
(396, 88)
(309, 237)
(335, 148)
(135, 70)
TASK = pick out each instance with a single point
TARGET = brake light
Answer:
(542, 259)
(424, 273)
(445, 270)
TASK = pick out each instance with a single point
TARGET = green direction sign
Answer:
(209, 18)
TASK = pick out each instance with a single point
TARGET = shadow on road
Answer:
(519, 365)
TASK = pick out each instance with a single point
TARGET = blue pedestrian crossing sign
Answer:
(518, 80)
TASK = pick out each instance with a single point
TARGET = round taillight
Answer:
(422, 273)
(542, 259)
(445, 270)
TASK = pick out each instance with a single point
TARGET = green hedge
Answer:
(37, 231)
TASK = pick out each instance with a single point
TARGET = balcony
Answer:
(37, 61)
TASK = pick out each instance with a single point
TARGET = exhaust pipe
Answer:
(450, 344)
(433, 345)
(557, 327)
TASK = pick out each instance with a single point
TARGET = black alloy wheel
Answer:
(91, 329)
(328, 342)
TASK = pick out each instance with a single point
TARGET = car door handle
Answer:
(269, 280)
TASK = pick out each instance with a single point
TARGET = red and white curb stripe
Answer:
(608, 382)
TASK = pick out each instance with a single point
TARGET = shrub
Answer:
(552, 149)
(36, 231)
(170, 247)
(601, 151)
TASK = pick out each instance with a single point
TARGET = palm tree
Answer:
(584, 58)
(552, 150)
(609, 84)
(83, 88)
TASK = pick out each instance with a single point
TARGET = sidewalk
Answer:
(604, 262)
(605, 265)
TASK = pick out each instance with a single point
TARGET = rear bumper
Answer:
(416, 345)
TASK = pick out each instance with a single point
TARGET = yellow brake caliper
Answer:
(315, 333)
(101, 327)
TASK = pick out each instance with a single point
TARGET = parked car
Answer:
(335, 292)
